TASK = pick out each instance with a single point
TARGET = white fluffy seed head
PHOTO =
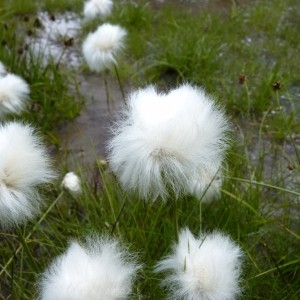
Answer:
(94, 8)
(101, 269)
(175, 141)
(207, 268)
(71, 183)
(24, 164)
(100, 47)
(13, 94)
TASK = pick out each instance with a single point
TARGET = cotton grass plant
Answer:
(170, 142)
(204, 268)
(100, 269)
(259, 200)
(14, 92)
(24, 165)
(101, 47)
(94, 8)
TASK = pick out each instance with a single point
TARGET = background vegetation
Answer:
(246, 56)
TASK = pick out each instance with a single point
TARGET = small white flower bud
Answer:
(71, 183)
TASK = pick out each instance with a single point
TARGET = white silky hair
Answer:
(100, 47)
(169, 141)
(24, 164)
(94, 8)
(204, 268)
(13, 94)
(99, 270)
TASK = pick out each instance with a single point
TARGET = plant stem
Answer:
(24, 244)
(106, 91)
(118, 217)
(119, 81)
(31, 232)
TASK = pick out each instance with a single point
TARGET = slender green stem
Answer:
(114, 216)
(119, 215)
(233, 196)
(296, 262)
(278, 188)
(106, 91)
(119, 81)
(25, 247)
(31, 232)
(202, 196)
